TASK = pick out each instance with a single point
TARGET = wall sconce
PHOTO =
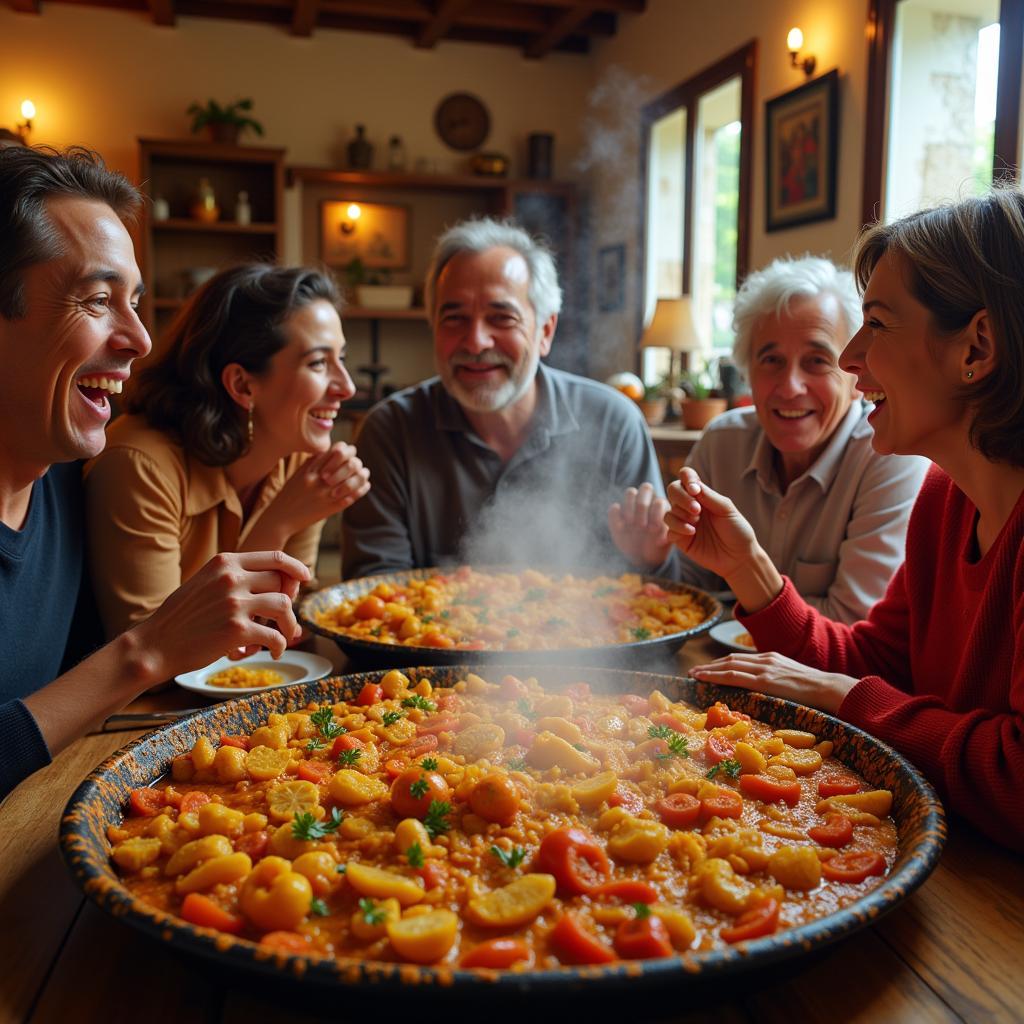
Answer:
(352, 215)
(28, 111)
(794, 43)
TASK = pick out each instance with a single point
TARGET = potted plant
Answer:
(373, 289)
(700, 404)
(224, 124)
(654, 404)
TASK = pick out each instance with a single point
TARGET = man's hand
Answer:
(778, 676)
(217, 612)
(638, 527)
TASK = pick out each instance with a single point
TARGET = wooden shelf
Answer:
(218, 227)
(366, 313)
(397, 180)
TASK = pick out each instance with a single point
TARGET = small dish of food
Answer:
(225, 679)
(734, 635)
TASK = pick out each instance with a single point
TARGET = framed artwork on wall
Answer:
(375, 233)
(611, 278)
(801, 144)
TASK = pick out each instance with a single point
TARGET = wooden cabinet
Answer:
(179, 251)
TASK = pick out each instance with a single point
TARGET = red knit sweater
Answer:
(940, 658)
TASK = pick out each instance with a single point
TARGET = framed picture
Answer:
(611, 278)
(801, 141)
(376, 233)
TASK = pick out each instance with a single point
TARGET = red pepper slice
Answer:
(575, 858)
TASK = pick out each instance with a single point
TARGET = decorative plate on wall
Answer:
(462, 121)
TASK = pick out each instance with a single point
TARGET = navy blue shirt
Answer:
(47, 618)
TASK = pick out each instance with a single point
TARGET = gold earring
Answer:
(252, 405)
(969, 374)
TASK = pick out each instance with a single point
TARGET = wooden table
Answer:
(952, 952)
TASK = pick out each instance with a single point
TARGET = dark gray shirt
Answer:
(440, 496)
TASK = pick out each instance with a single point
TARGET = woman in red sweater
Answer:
(937, 668)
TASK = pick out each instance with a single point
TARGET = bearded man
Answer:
(501, 459)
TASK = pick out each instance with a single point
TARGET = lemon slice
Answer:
(287, 799)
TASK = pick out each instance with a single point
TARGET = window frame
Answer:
(740, 63)
(1006, 151)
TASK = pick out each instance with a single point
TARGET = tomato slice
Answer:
(770, 790)
(369, 694)
(315, 771)
(253, 843)
(678, 810)
(433, 874)
(752, 924)
(628, 890)
(853, 866)
(837, 831)
(496, 953)
(720, 715)
(242, 742)
(201, 910)
(346, 742)
(147, 803)
(622, 797)
(422, 745)
(575, 858)
(393, 767)
(718, 748)
(439, 723)
(726, 803)
(643, 938)
(575, 945)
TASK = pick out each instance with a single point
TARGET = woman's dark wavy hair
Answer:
(236, 317)
(28, 178)
(959, 259)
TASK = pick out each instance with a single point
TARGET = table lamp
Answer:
(672, 327)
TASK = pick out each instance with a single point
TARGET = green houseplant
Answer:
(654, 404)
(700, 405)
(224, 124)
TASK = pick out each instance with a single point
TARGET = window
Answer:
(697, 151)
(944, 101)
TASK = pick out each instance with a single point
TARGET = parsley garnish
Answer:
(341, 869)
(318, 908)
(324, 721)
(376, 631)
(429, 764)
(525, 708)
(641, 633)
(314, 744)
(348, 758)
(579, 746)
(435, 820)
(415, 855)
(446, 614)
(419, 702)
(419, 788)
(372, 914)
(510, 858)
(426, 618)
(517, 764)
(305, 826)
(641, 910)
(390, 717)
(677, 747)
(730, 766)
(661, 732)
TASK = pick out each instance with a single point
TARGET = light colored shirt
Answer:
(156, 515)
(838, 531)
(440, 495)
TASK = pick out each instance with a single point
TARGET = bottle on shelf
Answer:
(360, 150)
(243, 211)
(204, 205)
(396, 153)
(161, 209)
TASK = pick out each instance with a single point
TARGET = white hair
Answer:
(771, 292)
(482, 233)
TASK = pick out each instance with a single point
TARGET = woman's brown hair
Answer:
(236, 317)
(959, 259)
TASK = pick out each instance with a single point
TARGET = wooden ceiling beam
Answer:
(608, 6)
(559, 30)
(25, 6)
(445, 15)
(162, 11)
(304, 17)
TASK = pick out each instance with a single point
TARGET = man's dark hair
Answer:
(30, 177)
(238, 316)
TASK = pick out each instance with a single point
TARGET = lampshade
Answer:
(672, 327)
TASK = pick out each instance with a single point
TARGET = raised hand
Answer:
(778, 676)
(217, 612)
(637, 526)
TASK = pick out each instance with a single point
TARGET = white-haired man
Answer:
(498, 459)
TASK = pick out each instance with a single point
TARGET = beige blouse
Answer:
(156, 516)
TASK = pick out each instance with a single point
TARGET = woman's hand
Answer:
(217, 612)
(638, 527)
(778, 676)
(707, 528)
(325, 484)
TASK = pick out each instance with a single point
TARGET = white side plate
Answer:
(726, 632)
(293, 666)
